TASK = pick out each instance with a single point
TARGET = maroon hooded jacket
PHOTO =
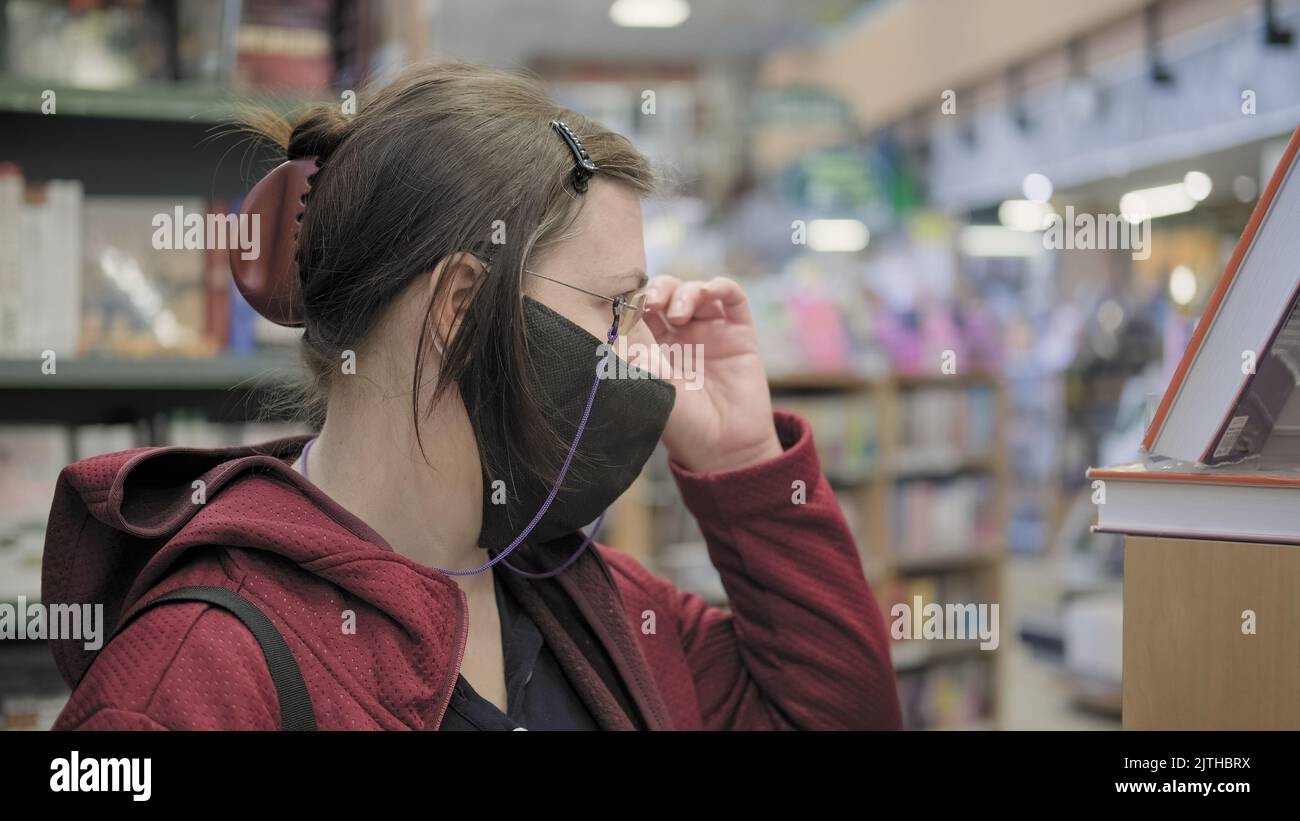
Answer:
(803, 645)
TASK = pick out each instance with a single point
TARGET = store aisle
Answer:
(1036, 693)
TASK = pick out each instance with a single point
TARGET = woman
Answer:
(459, 253)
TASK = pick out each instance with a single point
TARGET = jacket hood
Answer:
(119, 523)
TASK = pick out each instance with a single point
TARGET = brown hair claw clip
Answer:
(269, 281)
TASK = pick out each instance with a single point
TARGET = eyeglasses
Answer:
(628, 308)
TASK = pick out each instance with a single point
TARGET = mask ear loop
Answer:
(555, 489)
(559, 480)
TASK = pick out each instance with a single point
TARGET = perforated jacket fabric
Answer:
(379, 638)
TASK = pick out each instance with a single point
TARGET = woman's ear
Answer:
(451, 286)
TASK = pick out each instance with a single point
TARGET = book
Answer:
(944, 427)
(40, 282)
(51, 247)
(943, 518)
(1265, 421)
(61, 286)
(216, 288)
(846, 430)
(40, 265)
(31, 457)
(1246, 312)
(11, 258)
(285, 45)
(1167, 498)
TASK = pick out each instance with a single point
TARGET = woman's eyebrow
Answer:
(637, 274)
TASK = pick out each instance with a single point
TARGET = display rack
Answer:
(147, 394)
(114, 390)
(164, 140)
(642, 523)
(158, 102)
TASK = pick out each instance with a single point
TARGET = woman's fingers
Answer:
(676, 303)
(692, 302)
(682, 306)
(657, 325)
(732, 298)
(659, 292)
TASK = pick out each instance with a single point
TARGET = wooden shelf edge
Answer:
(159, 102)
(150, 373)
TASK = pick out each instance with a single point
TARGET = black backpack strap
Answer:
(296, 711)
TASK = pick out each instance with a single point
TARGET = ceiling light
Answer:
(838, 235)
(1110, 315)
(1160, 201)
(1245, 189)
(1182, 285)
(996, 241)
(1024, 215)
(649, 13)
(1198, 185)
(1037, 187)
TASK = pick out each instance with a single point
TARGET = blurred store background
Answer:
(876, 172)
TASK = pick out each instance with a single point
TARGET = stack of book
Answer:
(40, 263)
(1223, 449)
(944, 517)
(1212, 513)
(945, 427)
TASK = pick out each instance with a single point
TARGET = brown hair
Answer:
(424, 170)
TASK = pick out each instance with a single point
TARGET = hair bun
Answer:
(318, 134)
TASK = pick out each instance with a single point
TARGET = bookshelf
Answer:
(97, 390)
(867, 430)
(148, 373)
(169, 142)
(95, 405)
(157, 102)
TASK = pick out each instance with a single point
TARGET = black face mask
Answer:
(627, 418)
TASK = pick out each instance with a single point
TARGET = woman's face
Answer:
(604, 253)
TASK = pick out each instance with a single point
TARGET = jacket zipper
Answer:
(461, 641)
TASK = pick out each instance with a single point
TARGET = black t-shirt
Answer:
(539, 695)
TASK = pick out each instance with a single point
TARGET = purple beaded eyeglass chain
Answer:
(555, 489)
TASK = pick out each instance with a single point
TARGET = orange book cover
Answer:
(1157, 516)
(1220, 291)
(1141, 472)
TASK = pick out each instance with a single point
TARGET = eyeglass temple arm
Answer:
(616, 301)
